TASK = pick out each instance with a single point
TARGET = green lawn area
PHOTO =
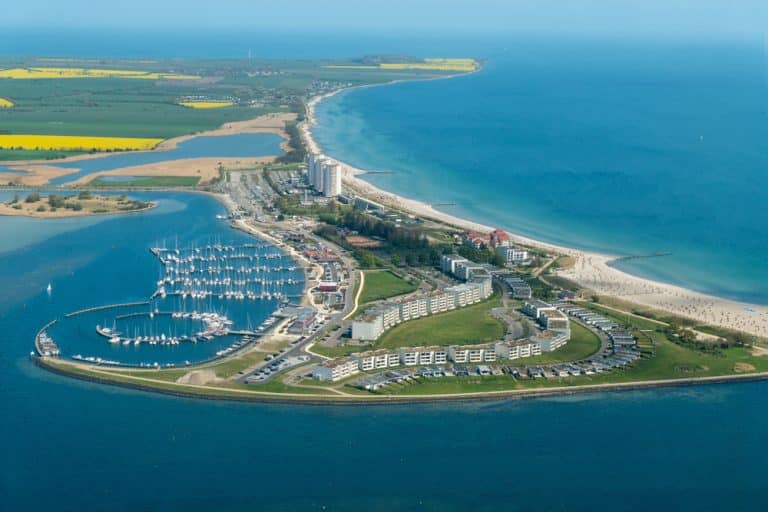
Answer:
(583, 343)
(466, 326)
(150, 181)
(31, 154)
(383, 284)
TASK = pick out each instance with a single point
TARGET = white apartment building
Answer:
(414, 308)
(551, 340)
(464, 269)
(472, 353)
(554, 320)
(448, 262)
(485, 282)
(368, 327)
(336, 369)
(412, 356)
(390, 313)
(517, 349)
(535, 307)
(376, 320)
(512, 255)
(440, 302)
(465, 293)
(376, 360)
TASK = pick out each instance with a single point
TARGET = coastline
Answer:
(40, 172)
(591, 270)
(203, 392)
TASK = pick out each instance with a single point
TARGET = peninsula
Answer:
(398, 302)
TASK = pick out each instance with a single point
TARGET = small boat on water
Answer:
(49, 289)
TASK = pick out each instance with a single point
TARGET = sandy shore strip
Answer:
(591, 270)
(206, 168)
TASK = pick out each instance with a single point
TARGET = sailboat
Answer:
(49, 289)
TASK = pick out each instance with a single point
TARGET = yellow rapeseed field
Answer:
(75, 143)
(206, 104)
(46, 72)
(4, 103)
(465, 65)
(436, 65)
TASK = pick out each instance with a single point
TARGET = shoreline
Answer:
(113, 377)
(40, 172)
(233, 395)
(591, 270)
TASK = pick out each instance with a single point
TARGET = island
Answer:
(52, 206)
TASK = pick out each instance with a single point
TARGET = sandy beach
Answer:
(206, 168)
(591, 270)
(35, 173)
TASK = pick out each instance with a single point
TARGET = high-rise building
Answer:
(331, 179)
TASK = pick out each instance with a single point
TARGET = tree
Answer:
(33, 197)
(85, 194)
(396, 259)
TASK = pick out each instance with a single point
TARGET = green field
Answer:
(382, 285)
(583, 343)
(31, 154)
(466, 326)
(148, 182)
(123, 107)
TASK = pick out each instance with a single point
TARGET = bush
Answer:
(42, 208)
(33, 197)
(85, 194)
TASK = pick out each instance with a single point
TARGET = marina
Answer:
(208, 303)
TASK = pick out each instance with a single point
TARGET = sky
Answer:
(642, 18)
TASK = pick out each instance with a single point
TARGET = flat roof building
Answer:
(336, 369)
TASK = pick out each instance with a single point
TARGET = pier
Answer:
(109, 306)
(643, 256)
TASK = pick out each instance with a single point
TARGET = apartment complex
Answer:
(336, 369)
(381, 317)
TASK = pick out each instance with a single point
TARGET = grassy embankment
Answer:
(147, 182)
(384, 284)
(663, 360)
(465, 326)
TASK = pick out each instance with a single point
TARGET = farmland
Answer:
(75, 143)
(206, 104)
(156, 99)
(62, 73)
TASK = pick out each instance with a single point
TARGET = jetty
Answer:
(108, 306)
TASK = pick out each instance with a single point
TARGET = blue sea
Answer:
(569, 115)
(621, 148)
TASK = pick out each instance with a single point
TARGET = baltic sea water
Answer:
(70, 445)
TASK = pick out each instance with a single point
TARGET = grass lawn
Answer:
(32, 154)
(466, 326)
(383, 284)
(149, 181)
(583, 343)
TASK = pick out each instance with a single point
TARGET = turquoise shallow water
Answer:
(625, 149)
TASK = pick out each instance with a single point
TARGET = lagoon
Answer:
(244, 145)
